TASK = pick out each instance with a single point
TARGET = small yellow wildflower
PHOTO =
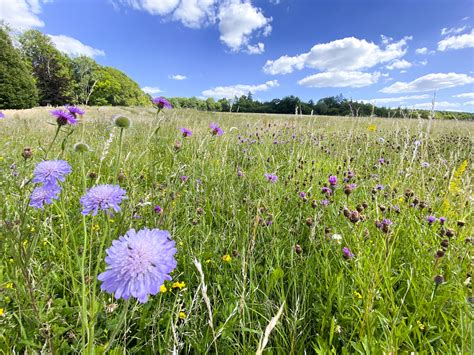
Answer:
(358, 295)
(207, 261)
(32, 229)
(182, 315)
(9, 285)
(226, 258)
(420, 325)
(111, 220)
(372, 128)
(2, 312)
(163, 288)
(95, 227)
(25, 243)
(179, 284)
(181, 244)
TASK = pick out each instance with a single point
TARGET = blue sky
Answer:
(396, 52)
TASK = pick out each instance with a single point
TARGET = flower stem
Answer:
(117, 169)
(52, 142)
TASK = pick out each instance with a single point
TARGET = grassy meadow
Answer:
(296, 266)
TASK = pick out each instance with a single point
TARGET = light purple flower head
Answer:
(2, 115)
(74, 110)
(271, 178)
(431, 219)
(326, 190)
(104, 197)
(381, 161)
(425, 164)
(138, 263)
(442, 220)
(184, 178)
(215, 129)
(63, 117)
(158, 209)
(50, 172)
(346, 252)
(332, 180)
(417, 143)
(302, 194)
(387, 222)
(44, 195)
(325, 202)
(161, 102)
(186, 132)
(380, 187)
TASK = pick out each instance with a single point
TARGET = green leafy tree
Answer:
(51, 68)
(17, 86)
(85, 75)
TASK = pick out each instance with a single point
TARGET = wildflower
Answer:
(182, 315)
(425, 164)
(74, 110)
(439, 279)
(81, 147)
(372, 128)
(337, 238)
(179, 284)
(417, 143)
(349, 188)
(298, 249)
(158, 209)
(49, 172)
(325, 202)
(184, 178)
(240, 173)
(381, 140)
(163, 289)
(226, 258)
(332, 180)
(63, 117)
(138, 263)
(379, 187)
(2, 115)
(161, 103)
(2, 312)
(271, 178)
(347, 253)
(186, 132)
(442, 220)
(215, 129)
(104, 197)
(44, 194)
(122, 121)
(27, 153)
(326, 190)
(381, 161)
(431, 219)
(358, 295)
(302, 195)
(9, 285)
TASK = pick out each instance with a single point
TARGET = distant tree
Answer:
(51, 68)
(17, 85)
(115, 88)
(85, 75)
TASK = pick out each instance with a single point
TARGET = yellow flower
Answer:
(25, 243)
(32, 229)
(372, 128)
(420, 325)
(207, 261)
(111, 220)
(2, 312)
(9, 285)
(178, 284)
(163, 288)
(180, 244)
(358, 295)
(182, 315)
(226, 258)
(95, 227)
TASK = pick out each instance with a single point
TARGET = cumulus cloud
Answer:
(348, 54)
(152, 90)
(468, 103)
(422, 50)
(340, 79)
(430, 82)
(238, 90)
(178, 77)
(455, 30)
(398, 100)
(457, 42)
(74, 47)
(21, 14)
(238, 21)
(399, 64)
(467, 95)
(439, 105)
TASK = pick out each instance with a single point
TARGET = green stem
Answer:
(117, 169)
(52, 142)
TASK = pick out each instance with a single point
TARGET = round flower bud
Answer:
(122, 121)
(81, 147)
(27, 153)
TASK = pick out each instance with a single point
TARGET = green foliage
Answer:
(17, 86)
(86, 76)
(51, 68)
(115, 88)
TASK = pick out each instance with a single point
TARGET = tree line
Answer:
(33, 72)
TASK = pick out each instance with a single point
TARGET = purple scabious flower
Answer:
(380, 187)
(158, 209)
(186, 132)
(63, 117)
(387, 222)
(332, 180)
(381, 161)
(442, 220)
(215, 129)
(44, 195)
(425, 164)
(104, 197)
(431, 219)
(184, 178)
(74, 110)
(302, 194)
(138, 263)
(325, 202)
(271, 178)
(2, 115)
(50, 172)
(326, 190)
(346, 252)
(161, 102)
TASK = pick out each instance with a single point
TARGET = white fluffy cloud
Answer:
(348, 54)
(399, 64)
(455, 30)
(468, 103)
(467, 95)
(152, 90)
(21, 14)
(398, 100)
(422, 50)
(238, 90)
(457, 42)
(74, 47)
(430, 82)
(340, 79)
(238, 21)
(178, 77)
(439, 105)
